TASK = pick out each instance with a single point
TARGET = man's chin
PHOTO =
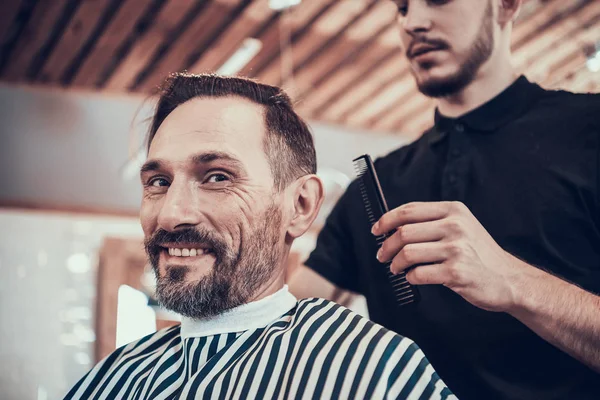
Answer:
(435, 83)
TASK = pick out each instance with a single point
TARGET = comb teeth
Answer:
(403, 291)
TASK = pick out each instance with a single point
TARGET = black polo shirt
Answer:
(527, 164)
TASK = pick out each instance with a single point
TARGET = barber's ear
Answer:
(509, 11)
(308, 197)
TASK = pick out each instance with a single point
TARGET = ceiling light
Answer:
(593, 57)
(246, 52)
(280, 5)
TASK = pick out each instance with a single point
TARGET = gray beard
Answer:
(234, 278)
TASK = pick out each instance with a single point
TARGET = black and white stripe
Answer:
(318, 350)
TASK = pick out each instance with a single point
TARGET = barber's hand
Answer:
(460, 253)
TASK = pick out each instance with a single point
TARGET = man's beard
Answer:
(235, 277)
(479, 53)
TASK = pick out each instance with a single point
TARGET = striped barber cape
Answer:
(315, 350)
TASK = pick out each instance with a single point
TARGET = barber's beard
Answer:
(235, 277)
(479, 53)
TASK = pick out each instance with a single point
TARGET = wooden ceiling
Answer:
(341, 62)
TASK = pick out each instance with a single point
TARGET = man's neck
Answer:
(487, 85)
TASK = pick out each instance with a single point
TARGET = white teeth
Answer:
(186, 252)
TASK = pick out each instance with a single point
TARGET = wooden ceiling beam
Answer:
(78, 30)
(581, 81)
(525, 55)
(164, 26)
(569, 48)
(363, 33)
(410, 106)
(315, 40)
(360, 93)
(109, 34)
(9, 11)
(336, 85)
(382, 101)
(33, 38)
(246, 25)
(525, 31)
(194, 37)
(293, 21)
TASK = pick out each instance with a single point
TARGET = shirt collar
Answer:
(254, 315)
(497, 112)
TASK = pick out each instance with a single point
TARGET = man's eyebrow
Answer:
(150, 165)
(208, 157)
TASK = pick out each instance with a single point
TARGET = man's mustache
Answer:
(189, 236)
(436, 44)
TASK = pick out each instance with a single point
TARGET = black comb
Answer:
(376, 206)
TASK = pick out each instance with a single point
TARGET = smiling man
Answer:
(229, 184)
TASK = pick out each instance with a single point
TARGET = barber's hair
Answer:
(288, 142)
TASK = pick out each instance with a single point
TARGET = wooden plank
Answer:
(581, 81)
(8, 12)
(34, 36)
(381, 101)
(569, 48)
(367, 28)
(253, 17)
(195, 38)
(388, 117)
(406, 112)
(75, 35)
(169, 17)
(345, 77)
(120, 26)
(525, 31)
(292, 21)
(334, 21)
(359, 94)
(526, 55)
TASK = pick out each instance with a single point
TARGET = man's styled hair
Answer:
(288, 142)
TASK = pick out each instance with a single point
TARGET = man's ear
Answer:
(308, 197)
(509, 11)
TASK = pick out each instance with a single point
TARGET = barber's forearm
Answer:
(563, 314)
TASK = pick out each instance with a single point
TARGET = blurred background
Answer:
(77, 79)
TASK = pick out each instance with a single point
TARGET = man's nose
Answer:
(181, 208)
(417, 19)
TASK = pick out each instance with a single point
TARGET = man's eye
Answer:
(215, 178)
(402, 8)
(158, 182)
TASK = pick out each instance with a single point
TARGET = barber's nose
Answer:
(181, 207)
(417, 19)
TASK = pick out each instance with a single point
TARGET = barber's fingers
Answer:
(413, 213)
(432, 231)
(430, 274)
(419, 253)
